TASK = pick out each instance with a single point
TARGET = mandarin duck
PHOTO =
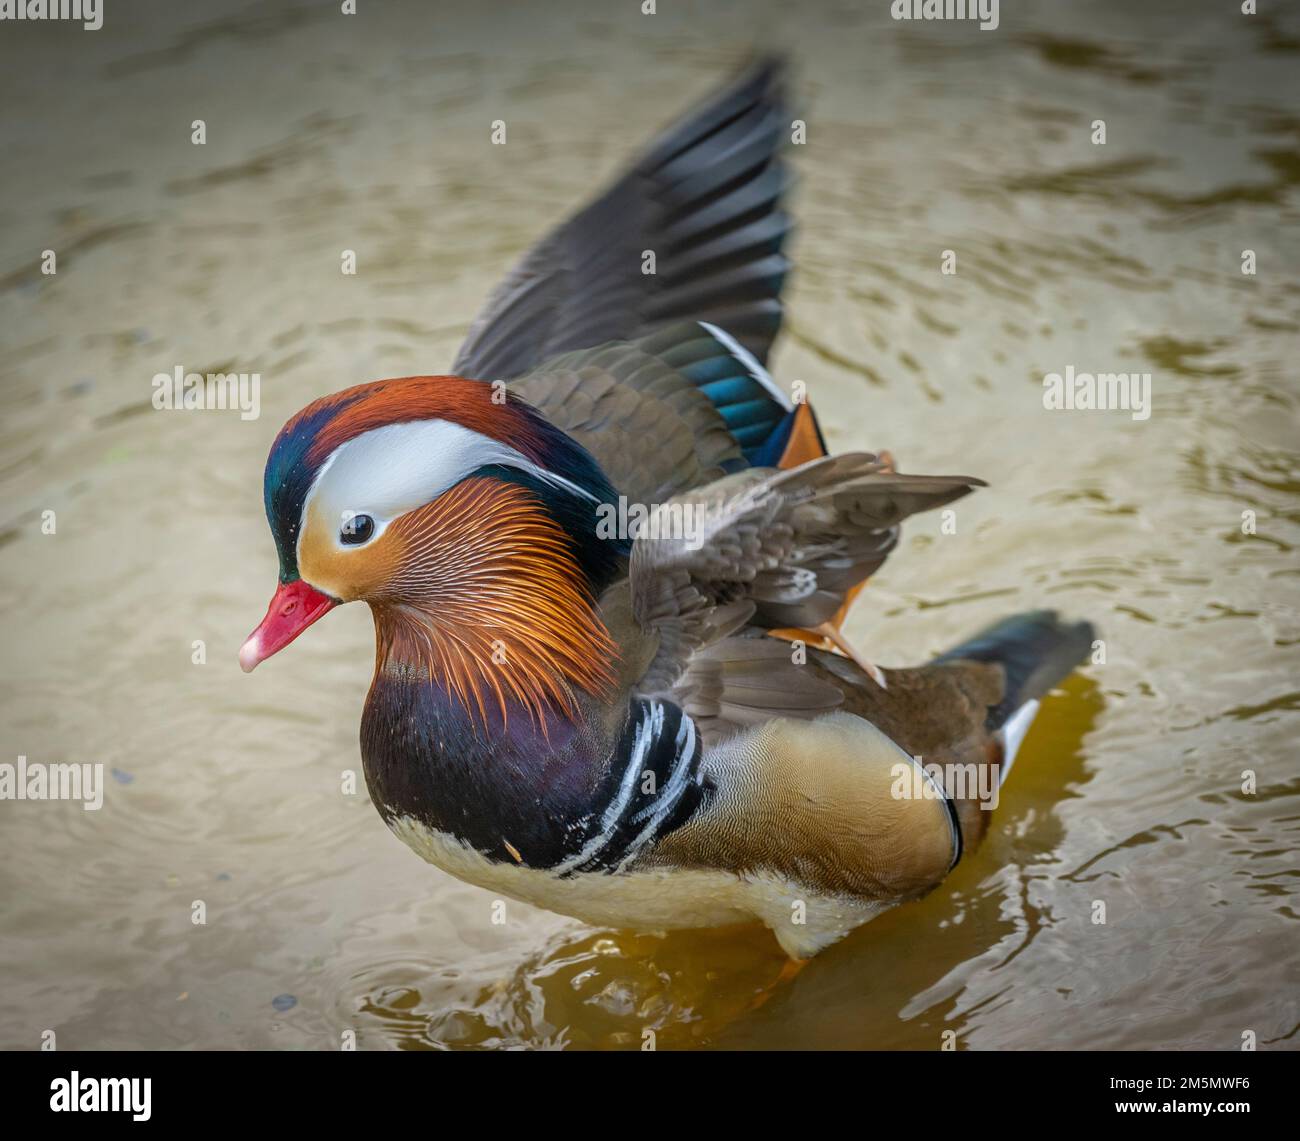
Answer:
(650, 723)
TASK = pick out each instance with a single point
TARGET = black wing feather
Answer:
(705, 197)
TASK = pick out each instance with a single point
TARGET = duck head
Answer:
(464, 518)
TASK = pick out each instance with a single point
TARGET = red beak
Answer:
(294, 607)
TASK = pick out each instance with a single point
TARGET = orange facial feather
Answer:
(487, 598)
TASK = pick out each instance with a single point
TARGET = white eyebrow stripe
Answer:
(389, 471)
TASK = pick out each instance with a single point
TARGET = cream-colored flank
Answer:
(803, 835)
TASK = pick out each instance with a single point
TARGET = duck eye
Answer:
(357, 530)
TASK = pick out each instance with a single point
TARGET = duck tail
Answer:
(1037, 650)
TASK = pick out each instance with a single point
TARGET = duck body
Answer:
(657, 726)
(632, 819)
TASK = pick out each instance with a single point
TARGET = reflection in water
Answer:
(586, 990)
(1176, 535)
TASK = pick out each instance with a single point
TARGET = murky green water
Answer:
(371, 133)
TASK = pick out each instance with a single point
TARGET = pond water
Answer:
(371, 133)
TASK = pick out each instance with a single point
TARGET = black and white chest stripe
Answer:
(654, 787)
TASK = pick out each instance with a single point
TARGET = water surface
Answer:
(371, 133)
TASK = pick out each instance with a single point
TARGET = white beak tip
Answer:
(250, 655)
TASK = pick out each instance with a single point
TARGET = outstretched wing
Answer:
(705, 198)
(781, 547)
